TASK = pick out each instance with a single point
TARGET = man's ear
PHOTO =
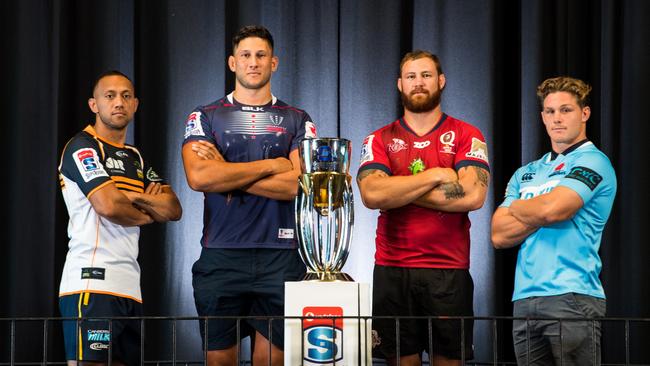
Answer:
(442, 81)
(399, 84)
(92, 103)
(586, 113)
(274, 63)
(231, 63)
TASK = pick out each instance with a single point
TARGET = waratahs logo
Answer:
(323, 334)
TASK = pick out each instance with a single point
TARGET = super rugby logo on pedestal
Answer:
(322, 334)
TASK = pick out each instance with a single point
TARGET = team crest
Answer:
(447, 141)
(416, 166)
(478, 150)
(275, 119)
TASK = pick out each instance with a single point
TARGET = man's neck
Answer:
(246, 96)
(116, 137)
(422, 123)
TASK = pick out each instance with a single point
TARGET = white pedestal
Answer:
(321, 341)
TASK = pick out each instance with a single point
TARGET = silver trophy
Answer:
(324, 208)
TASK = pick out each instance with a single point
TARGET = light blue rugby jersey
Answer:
(563, 257)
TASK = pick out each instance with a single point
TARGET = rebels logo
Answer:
(323, 337)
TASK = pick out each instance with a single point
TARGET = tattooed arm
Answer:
(464, 195)
(381, 191)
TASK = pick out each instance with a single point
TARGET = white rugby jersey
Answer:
(102, 256)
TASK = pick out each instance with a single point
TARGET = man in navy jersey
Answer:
(424, 172)
(109, 191)
(242, 152)
(556, 208)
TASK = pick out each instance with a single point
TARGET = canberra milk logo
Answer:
(323, 337)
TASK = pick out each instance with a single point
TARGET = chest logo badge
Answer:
(397, 146)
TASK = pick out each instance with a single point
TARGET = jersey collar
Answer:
(231, 99)
(571, 148)
(90, 129)
(405, 125)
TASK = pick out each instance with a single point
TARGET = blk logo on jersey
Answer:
(88, 164)
(322, 334)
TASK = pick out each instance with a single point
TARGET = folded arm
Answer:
(281, 186)
(465, 194)
(381, 191)
(111, 204)
(507, 231)
(558, 205)
(207, 171)
(158, 201)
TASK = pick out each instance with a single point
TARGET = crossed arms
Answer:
(512, 225)
(441, 189)
(207, 171)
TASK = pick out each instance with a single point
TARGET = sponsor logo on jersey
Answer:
(323, 336)
(585, 175)
(98, 346)
(88, 164)
(115, 164)
(478, 150)
(193, 125)
(95, 273)
(122, 154)
(527, 177)
(397, 146)
(152, 176)
(140, 174)
(534, 191)
(421, 144)
(416, 166)
(366, 150)
(98, 335)
(559, 170)
(310, 130)
(284, 233)
(252, 109)
(447, 141)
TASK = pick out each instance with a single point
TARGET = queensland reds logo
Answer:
(397, 146)
(447, 141)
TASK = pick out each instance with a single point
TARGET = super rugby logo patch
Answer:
(366, 150)
(193, 125)
(88, 164)
(310, 130)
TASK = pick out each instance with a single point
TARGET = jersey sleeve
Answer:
(306, 130)
(589, 174)
(197, 127)
(82, 163)
(472, 150)
(373, 154)
(512, 190)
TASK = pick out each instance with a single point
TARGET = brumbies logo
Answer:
(322, 329)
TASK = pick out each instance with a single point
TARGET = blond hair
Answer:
(577, 87)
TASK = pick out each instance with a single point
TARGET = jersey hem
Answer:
(61, 294)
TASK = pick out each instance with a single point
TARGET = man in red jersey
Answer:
(424, 172)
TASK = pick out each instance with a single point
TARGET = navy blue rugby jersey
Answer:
(244, 133)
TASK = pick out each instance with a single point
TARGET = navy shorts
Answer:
(243, 282)
(95, 335)
(399, 291)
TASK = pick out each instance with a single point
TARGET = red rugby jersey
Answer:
(413, 236)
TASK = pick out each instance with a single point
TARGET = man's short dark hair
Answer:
(418, 54)
(252, 31)
(108, 73)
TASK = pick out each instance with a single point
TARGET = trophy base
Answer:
(328, 277)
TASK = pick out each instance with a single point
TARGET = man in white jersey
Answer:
(555, 209)
(109, 192)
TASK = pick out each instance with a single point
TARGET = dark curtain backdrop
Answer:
(339, 61)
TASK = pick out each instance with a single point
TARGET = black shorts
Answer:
(95, 335)
(243, 282)
(401, 291)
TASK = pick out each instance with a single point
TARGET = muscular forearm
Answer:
(452, 197)
(283, 186)
(508, 232)
(122, 212)
(221, 176)
(391, 192)
(161, 207)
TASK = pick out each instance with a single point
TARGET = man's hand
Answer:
(206, 151)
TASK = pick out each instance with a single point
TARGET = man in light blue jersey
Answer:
(556, 208)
